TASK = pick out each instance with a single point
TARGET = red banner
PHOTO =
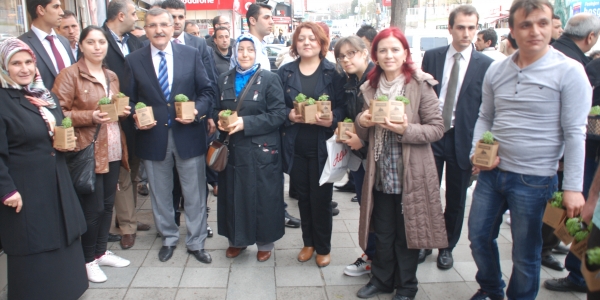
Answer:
(386, 2)
(241, 6)
(209, 4)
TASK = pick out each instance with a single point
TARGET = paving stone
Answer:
(136, 257)
(428, 272)
(143, 242)
(247, 258)
(155, 277)
(299, 276)
(352, 225)
(117, 277)
(179, 259)
(339, 226)
(151, 294)
(201, 294)
(252, 283)
(341, 257)
(301, 293)
(205, 277)
(343, 292)
(291, 240)
(446, 290)
(219, 260)
(342, 240)
(289, 257)
(104, 294)
(334, 275)
(466, 269)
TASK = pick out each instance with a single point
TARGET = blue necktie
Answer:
(163, 76)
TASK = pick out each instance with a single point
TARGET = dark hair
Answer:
(368, 32)
(115, 7)
(489, 34)
(407, 68)
(512, 41)
(254, 11)
(322, 39)
(68, 13)
(528, 6)
(466, 10)
(216, 21)
(157, 3)
(173, 4)
(86, 31)
(555, 17)
(32, 7)
(218, 29)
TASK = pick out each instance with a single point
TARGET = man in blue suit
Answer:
(156, 74)
(459, 69)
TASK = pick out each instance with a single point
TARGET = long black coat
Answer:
(29, 164)
(250, 201)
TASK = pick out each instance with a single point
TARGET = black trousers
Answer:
(457, 183)
(314, 201)
(98, 208)
(593, 242)
(394, 266)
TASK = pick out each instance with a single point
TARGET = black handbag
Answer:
(217, 154)
(82, 167)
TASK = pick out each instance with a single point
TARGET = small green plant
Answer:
(121, 95)
(301, 98)
(595, 110)
(403, 99)
(593, 256)
(382, 98)
(488, 138)
(557, 200)
(347, 120)
(140, 105)
(577, 229)
(181, 98)
(67, 122)
(226, 113)
(310, 101)
(104, 101)
(323, 97)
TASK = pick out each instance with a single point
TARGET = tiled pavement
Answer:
(283, 277)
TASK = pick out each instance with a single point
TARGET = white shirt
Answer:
(181, 39)
(168, 56)
(448, 64)
(74, 50)
(61, 48)
(492, 53)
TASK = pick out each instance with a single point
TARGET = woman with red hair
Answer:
(304, 149)
(400, 196)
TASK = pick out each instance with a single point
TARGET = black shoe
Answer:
(291, 221)
(354, 199)
(444, 259)
(564, 285)
(166, 252)
(210, 231)
(560, 249)
(400, 297)
(201, 255)
(551, 262)
(368, 291)
(481, 295)
(114, 237)
(142, 189)
(348, 187)
(423, 253)
(334, 204)
(335, 212)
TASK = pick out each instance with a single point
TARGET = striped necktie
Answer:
(163, 76)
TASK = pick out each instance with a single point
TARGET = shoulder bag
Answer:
(82, 167)
(218, 153)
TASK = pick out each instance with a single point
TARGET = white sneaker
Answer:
(359, 267)
(111, 260)
(508, 220)
(94, 273)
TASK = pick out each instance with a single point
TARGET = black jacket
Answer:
(222, 61)
(30, 165)
(570, 49)
(354, 98)
(332, 84)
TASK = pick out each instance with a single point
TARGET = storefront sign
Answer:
(282, 20)
(208, 4)
(241, 6)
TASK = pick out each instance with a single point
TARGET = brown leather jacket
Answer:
(423, 216)
(79, 93)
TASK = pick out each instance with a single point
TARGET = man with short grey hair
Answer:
(579, 36)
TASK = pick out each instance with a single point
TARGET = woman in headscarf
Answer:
(41, 219)
(250, 201)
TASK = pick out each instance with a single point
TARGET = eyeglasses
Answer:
(161, 25)
(349, 55)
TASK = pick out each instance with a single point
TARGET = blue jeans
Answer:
(359, 176)
(526, 197)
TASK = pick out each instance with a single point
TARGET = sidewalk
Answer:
(282, 276)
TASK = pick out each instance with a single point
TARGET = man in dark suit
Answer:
(52, 51)
(154, 75)
(460, 71)
(120, 21)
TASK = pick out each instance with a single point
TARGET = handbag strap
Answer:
(243, 95)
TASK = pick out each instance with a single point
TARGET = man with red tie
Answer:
(51, 50)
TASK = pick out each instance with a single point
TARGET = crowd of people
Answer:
(535, 102)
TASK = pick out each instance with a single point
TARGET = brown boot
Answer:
(323, 260)
(305, 254)
(233, 252)
(263, 255)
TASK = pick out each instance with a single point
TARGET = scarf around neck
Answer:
(391, 89)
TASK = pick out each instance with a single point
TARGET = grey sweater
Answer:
(537, 114)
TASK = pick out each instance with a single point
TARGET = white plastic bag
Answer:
(338, 155)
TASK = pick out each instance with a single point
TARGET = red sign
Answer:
(282, 20)
(241, 6)
(208, 4)
(386, 3)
